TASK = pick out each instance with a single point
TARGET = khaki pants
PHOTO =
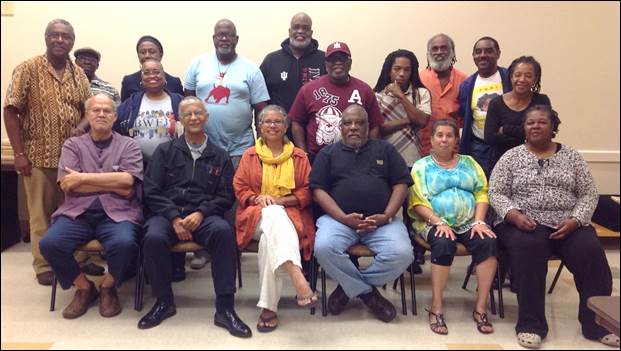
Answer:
(43, 197)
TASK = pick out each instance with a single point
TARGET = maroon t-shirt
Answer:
(319, 106)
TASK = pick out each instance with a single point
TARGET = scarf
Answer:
(278, 173)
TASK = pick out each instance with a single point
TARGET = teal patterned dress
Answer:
(452, 194)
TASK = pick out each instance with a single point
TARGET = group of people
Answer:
(332, 164)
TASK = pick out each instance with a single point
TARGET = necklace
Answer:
(222, 74)
(443, 164)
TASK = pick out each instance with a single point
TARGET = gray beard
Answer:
(440, 66)
(300, 45)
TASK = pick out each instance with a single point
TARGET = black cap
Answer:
(89, 52)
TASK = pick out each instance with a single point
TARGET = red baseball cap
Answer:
(337, 46)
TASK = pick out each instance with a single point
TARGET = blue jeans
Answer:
(120, 241)
(390, 242)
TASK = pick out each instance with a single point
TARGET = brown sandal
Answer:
(265, 328)
(439, 323)
(481, 322)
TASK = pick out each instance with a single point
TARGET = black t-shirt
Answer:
(500, 115)
(360, 181)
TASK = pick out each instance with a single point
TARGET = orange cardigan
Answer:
(247, 182)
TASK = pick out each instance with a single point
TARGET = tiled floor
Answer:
(27, 322)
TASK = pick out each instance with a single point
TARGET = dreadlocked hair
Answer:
(384, 77)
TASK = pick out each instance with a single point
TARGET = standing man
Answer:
(317, 109)
(475, 94)
(442, 80)
(43, 106)
(361, 185)
(297, 63)
(88, 59)
(188, 187)
(230, 86)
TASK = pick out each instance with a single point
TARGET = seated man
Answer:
(188, 188)
(100, 174)
(361, 184)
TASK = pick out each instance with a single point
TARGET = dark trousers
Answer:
(443, 249)
(65, 235)
(484, 155)
(582, 254)
(214, 233)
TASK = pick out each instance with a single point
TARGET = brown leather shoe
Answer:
(337, 301)
(381, 308)
(109, 305)
(45, 278)
(82, 300)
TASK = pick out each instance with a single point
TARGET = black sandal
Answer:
(440, 323)
(482, 322)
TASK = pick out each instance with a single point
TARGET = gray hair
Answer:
(59, 21)
(276, 109)
(89, 101)
(355, 107)
(191, 99)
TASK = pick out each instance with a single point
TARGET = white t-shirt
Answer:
(154, 125)
(485, 89)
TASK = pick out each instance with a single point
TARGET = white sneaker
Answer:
(200, 260)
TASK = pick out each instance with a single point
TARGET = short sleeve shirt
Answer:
(360, 181)
(228, 92)
(320, 104)
(48, 107)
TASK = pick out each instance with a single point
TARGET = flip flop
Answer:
(313, 300)
(267, 328)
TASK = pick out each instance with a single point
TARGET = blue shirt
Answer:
(228, 92)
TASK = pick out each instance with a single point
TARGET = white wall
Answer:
(577, 44)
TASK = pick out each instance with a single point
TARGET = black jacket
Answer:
(285, 75)
(131, 85)
(175, 185)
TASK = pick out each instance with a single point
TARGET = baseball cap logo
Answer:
(337, 45)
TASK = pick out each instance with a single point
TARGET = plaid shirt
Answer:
(407, 139)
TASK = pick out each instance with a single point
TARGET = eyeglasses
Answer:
(154, 72)
(63, 36)
(223, 36)
(197, 113)
(273, 123)
(334, 58)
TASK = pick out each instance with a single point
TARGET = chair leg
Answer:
(53, 298)
(239, 270)
(413, 289)
(324, 298)
(137, 283)
(312, 278)
(501, 307)
(558, 274)
(404, 306)
(492, 300)
(468, 274)
(394, 284)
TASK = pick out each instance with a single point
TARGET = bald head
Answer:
(101, 115)
(355, 126)
(300, 33)
(224, 23)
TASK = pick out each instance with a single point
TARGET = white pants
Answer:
(278, 243)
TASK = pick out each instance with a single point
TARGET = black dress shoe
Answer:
(230, 321)
(160, 311)
(337, 301)
(381, 308)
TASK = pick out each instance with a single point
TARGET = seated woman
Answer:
(272, 186)
(545, 196)
(448, 203)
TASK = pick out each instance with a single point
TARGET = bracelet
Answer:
(479, 222)
(19, 154)
(440, 223)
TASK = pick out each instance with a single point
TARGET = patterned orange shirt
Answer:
(48, 108)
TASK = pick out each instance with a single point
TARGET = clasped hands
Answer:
(364, 225)
(184, 227)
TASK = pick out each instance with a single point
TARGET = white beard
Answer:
(440, 66)
(300, 44)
